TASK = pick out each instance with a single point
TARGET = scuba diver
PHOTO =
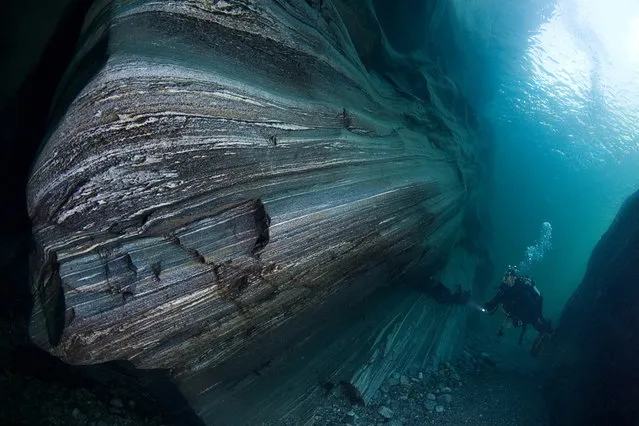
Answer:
(522, 303)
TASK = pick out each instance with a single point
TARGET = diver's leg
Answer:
(542, 325)
(539, 342)
(501, 329)
(523, 331)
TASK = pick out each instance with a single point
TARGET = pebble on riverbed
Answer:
(445, 398)
(385, 412)
(410, 397)
(117, 403)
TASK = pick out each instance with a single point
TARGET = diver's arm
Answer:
(491, 306)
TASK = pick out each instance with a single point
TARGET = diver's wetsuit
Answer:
(521, 302)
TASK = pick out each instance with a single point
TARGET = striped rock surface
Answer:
(222, 176)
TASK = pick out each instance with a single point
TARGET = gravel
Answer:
(467, 391)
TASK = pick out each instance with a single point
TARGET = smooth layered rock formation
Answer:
(226, 176)
(595, 358)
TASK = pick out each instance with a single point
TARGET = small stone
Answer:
(446, 390)
(403, 398)
(486, 358)
(117, 402)
(385, 412)
(431, 396)
(430, 405)
(404, 380)
(439, 408)
(446, 398)
(348, 420)
(336, 391)
(395, 375)
(420, 376)
(76, 413)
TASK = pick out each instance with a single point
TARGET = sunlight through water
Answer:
(585, 66)
(566, 130)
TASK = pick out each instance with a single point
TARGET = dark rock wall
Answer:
(595, 370)
(38, 43)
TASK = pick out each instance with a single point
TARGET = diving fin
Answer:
(539, 343)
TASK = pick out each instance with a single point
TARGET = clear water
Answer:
(560, 87)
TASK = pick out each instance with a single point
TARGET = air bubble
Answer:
(536, 251)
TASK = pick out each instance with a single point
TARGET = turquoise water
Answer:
(561, 92)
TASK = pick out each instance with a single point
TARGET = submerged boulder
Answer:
(223, 178)
(595, 358)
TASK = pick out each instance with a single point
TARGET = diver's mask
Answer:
(510, 277)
